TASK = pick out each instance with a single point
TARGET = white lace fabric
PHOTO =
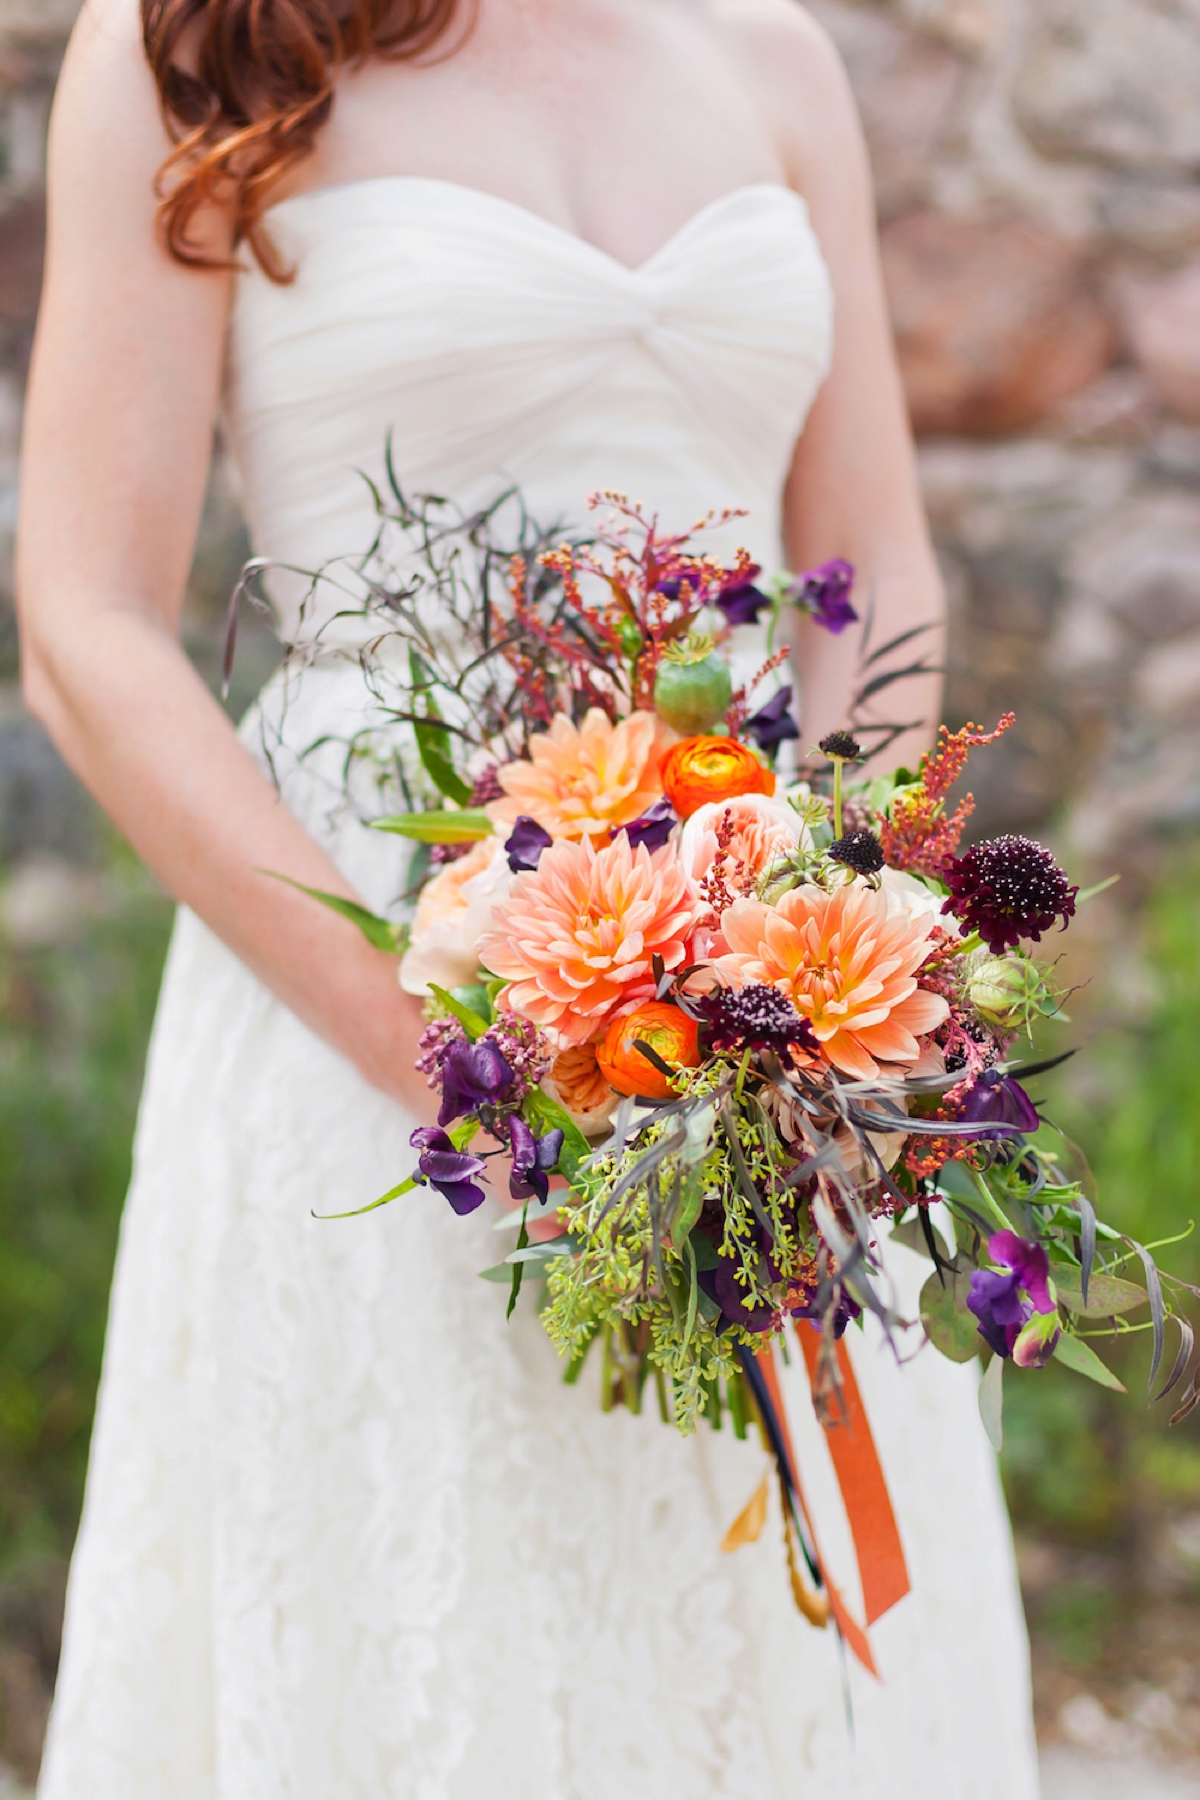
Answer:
(347, 1535)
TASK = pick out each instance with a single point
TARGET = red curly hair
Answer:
(251, 90)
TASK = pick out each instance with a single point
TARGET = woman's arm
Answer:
(118, 436)
(853, 486)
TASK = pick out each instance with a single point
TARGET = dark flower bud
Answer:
(860, 851)
(839, 746)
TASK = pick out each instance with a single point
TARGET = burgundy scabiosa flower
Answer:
(473, 1076)
(1006, 889)
(533, 1159)
(840, 746)
(454, 1173)
(824, 593)
(653, 827)
(525, 846)
(754, 1017)
(773, 723)
(858, 850)
(1014, 1303)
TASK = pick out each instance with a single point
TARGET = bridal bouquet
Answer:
(741, 1020)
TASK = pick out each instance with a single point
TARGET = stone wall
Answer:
(1038, 169)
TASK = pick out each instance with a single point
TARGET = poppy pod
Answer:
(701, 769)
(667, 1030)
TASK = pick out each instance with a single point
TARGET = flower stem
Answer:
(837, 797)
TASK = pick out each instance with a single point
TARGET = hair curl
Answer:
(245, 85)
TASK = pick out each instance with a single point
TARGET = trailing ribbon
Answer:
(882, 1568)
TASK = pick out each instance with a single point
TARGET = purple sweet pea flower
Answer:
(533, 1159)
(653, 827)
(844, 1314)
(824, 594)
(773, 723)
(1005, 1299)
(673, 585)
(742, 601)
(997, 1099)
(452, 1172)
(525, 846)
(473, 1075)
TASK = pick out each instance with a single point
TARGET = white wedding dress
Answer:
(347, 1535)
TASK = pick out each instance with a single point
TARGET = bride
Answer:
(346, 1535)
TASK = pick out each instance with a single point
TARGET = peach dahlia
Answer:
(585, 781)
(849, 966)
(576, 936)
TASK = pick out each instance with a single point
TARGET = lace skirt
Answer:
(348, 1536)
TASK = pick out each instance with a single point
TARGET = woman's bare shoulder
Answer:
(796, 71)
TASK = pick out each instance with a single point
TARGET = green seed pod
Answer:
(692, 694)
(1007, 990)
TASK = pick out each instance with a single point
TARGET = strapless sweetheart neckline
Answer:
(462, 191)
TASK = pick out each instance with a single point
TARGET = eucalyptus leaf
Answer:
(1107, 1294)
(537, 1253)
(954, 1179)
(949, 1327)
(690, 1206)
(460, 826)
(1083, 1359)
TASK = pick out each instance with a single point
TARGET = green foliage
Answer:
(1077, 1459)
(74, 1022)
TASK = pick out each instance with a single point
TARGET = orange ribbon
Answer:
(882, 1569)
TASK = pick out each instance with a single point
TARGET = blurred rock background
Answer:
(1038, 173)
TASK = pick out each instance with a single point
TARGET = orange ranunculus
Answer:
(668, 1030)
(701, 769)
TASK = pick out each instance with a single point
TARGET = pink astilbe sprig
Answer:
(727, 877)
(920, 836)
(589, 650)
